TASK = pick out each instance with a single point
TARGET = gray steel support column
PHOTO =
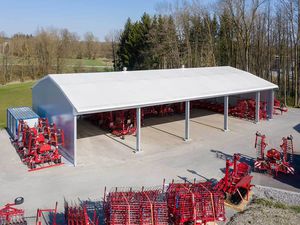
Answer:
(75, 140)
(257, 106)
(138, 129)
(187, 121)
(226, 98)
(270, 104)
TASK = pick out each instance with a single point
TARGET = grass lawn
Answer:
(89, 62)
(70, 62)
(13, 95)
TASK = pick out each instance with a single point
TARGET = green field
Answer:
(89, 62)
(102, 62)
(13, 95)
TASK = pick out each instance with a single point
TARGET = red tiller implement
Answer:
(274, 161)
(194, 203)
(39, 146)
(164, 110)
(245, 109)
(236, 184)
(124, 123)
(278, 106)
(119, 123)
(78, 215)
(10, 215)
(145, 207)
(40, 217)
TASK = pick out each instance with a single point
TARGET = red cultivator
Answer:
(124, 123)
(236, 184)
(274, 161)
(39, 145)
(40, 215)
(78, 215)
(10, 215)
(121, 123)
(147, 207)
(194, 203)
(279, 107)
(246, 108)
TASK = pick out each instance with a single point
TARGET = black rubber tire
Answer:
(19, 200)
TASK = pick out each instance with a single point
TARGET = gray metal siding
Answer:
(16, 114)
(49, 101)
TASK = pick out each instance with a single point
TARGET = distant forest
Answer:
(24, 57)
(259, 36)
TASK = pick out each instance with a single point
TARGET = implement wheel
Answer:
(19, 200)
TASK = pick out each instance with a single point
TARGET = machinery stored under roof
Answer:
(96, 92)
(62, 98)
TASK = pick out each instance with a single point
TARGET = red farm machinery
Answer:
(278, 106)
(236, 184)
(274, 161)
(81, 214)
(39, 145)
(10, 215)
(194, 203)
(123, 122)
(40, 216)
(129, 206)
(181, 203)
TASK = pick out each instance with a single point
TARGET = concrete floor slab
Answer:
(104, 160)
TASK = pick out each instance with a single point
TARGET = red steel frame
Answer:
(236, 180)
(145, 207)
(279, 107)
(39, 215)
(196, 203)
(11, 215)
(273, 161)
(39, 145)
(78, 215)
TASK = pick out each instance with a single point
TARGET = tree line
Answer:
(48, 51)
(259, 36)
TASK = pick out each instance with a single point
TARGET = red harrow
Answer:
(78, 215)
(274, 161)
(147, 207)
(39, 145)
(10, 215)
(40, 215)
(245, 109)
(236, 184)
(194, 203)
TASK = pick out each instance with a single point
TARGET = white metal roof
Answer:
(96, 92)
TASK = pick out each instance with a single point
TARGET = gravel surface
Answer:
(265, 212)
(283, 196)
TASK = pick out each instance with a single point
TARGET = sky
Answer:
(80, 16)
